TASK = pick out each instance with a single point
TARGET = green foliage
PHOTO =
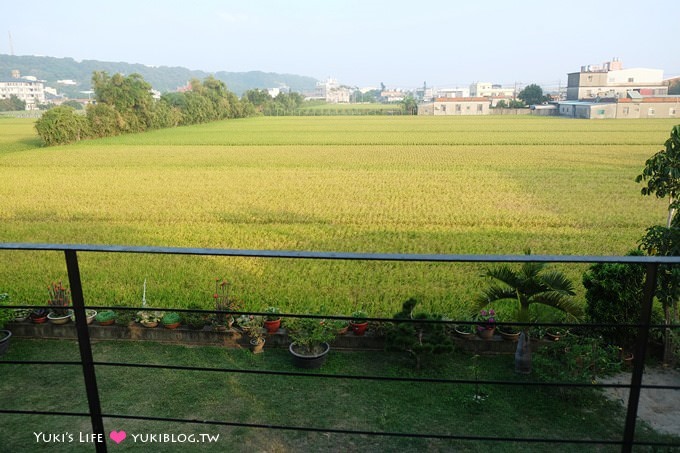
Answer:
(532, 94)
(105, 120)
(12, 104)
(74, 104)
(662, 173)
(61, 125)
(576, 359)
(105, 315)
(530, 284)
(420, 339)
(6, 315)
(171, 317)
(309, 334)
(614, 296)
(273, 313)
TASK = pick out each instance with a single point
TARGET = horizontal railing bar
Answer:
(367, 433)
(342, 376)
(341, 431)
(352, 256)
(351, 318)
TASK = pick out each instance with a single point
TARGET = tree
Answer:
(410, 105)
(662, 177)
(529, 285)
(12, 104)
(532, 94)
(130, 96)
(662, 173)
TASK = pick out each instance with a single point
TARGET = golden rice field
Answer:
(471, 185)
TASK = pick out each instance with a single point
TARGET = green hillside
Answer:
(162, 78)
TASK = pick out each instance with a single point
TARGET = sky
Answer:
(363, 43)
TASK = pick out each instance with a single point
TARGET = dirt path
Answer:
(659, 408)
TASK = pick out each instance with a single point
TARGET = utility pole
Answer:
(11, 46)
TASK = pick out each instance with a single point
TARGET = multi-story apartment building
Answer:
(490, 90)
(28, 89)
(610, 80)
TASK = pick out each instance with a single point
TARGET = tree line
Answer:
(125, 104)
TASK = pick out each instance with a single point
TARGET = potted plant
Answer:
(21, 314)
(310, 341)
(417, 334)
(256, 334)
(60, 298)
(465, 331)
(526, 285)
(358, 324)
(195, 321)
(90, 314)
(105, 318)
(6, 315)
(149, 318)
(224, 303)
(39, 315)
(508, 332)
(124, 318)
(171, 320)
(272, 320)
(486, 323)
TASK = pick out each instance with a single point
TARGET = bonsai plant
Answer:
(106, 317)
(6, 315)
(224, 303)
(272, 320)
(171, 320)
(419, 339)
(310, 341)
(60, 298)
(359, 324)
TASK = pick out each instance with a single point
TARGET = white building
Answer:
(332, 92)
(28, 89)
(490, 90)
(610, 80)
(455, 106)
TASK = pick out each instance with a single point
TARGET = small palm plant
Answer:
(528, 285)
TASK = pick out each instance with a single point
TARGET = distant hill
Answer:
(162, 78)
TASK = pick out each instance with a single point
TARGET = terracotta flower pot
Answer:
(485, 333)
(257, 346)
(272, 326)
(360, 328)
(173, 325)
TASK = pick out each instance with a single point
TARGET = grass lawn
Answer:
(482, 185)
(404, 407)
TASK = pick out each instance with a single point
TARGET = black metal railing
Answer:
(88, 364)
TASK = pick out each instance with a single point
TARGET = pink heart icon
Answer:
(118, 436)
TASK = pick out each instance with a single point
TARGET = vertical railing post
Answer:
(85, 350)
(639, 357)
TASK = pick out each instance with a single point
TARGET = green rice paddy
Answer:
(469, 185)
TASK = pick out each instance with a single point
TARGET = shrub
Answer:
(420, 339)
(614, 296)
(61, 125)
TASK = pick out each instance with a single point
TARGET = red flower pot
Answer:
(272, 326)
(360, 328)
